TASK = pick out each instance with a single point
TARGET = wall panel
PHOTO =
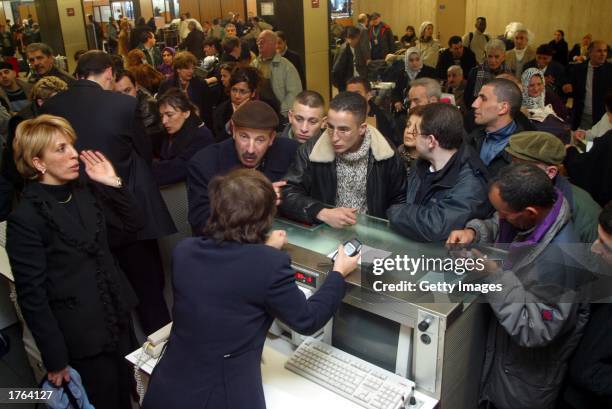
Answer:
(543, 17)
(236, 6)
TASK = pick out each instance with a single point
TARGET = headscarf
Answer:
(530, 102)
(422, 28)
(412, 73)
(171, 50)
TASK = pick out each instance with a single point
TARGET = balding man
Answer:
(278, 73)
(590, 82)
(364, 39)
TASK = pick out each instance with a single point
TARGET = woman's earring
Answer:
(42, 171)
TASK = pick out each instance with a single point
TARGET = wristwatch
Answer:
(118, 182)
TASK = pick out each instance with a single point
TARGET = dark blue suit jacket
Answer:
(225, 298)
(221, 158)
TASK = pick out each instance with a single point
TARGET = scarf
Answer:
(485, 74)
(521, 244)
(530, 102)
(422, 28)
(352, 172)
(412, 73)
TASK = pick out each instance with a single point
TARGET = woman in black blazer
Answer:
(73, 296)
(228, 288)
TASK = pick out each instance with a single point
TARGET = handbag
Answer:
(71, 395)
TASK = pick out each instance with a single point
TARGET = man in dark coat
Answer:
(292, 56)
(254, 145)
(590, 82)
(455, 54)
(194, 42)
(40, 57)
(495, 110)
(112, 128)
(351, 168)
(349, 61)
(554, 72)
(592, 170)
(448, 186)
(381, 38)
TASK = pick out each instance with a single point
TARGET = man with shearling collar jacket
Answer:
(351, 168)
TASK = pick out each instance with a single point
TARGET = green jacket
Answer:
(285, 81)
(584, 215)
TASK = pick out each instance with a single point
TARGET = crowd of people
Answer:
(506, 160)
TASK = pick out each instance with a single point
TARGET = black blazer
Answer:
(226, 297)
(72, 294)
(602, 84)
(107, 121)
(467, 62)
(194, 43)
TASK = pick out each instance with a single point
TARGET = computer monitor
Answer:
(375, 339)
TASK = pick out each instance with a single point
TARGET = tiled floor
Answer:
(15, 370)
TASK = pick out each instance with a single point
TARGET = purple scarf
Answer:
(507, 233)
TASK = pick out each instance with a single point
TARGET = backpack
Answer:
(471, 35)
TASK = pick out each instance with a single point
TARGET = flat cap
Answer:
(536, 146)
(255, 115)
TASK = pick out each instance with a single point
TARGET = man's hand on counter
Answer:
(465, 236)
(338, 217)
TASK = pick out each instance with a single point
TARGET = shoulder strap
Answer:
(470, 38)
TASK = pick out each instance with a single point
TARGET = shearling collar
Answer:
(323, 151)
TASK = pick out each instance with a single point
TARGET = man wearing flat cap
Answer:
(547, 152)
(253, 145)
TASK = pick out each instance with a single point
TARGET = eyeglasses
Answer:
(240, 91)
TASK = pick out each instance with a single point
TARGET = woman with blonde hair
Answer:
(71, 292)
(123, 39)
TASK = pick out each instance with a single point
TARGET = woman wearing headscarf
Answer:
(413, 69)
(427, 45)
(542, 106)
(166, 66)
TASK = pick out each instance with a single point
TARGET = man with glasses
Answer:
(350, 168)
(448, 184)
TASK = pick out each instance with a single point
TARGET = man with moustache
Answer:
(253, 145)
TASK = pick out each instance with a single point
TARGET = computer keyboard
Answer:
(357, 380)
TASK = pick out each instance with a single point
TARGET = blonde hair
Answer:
(33, 136)
(46, 87)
